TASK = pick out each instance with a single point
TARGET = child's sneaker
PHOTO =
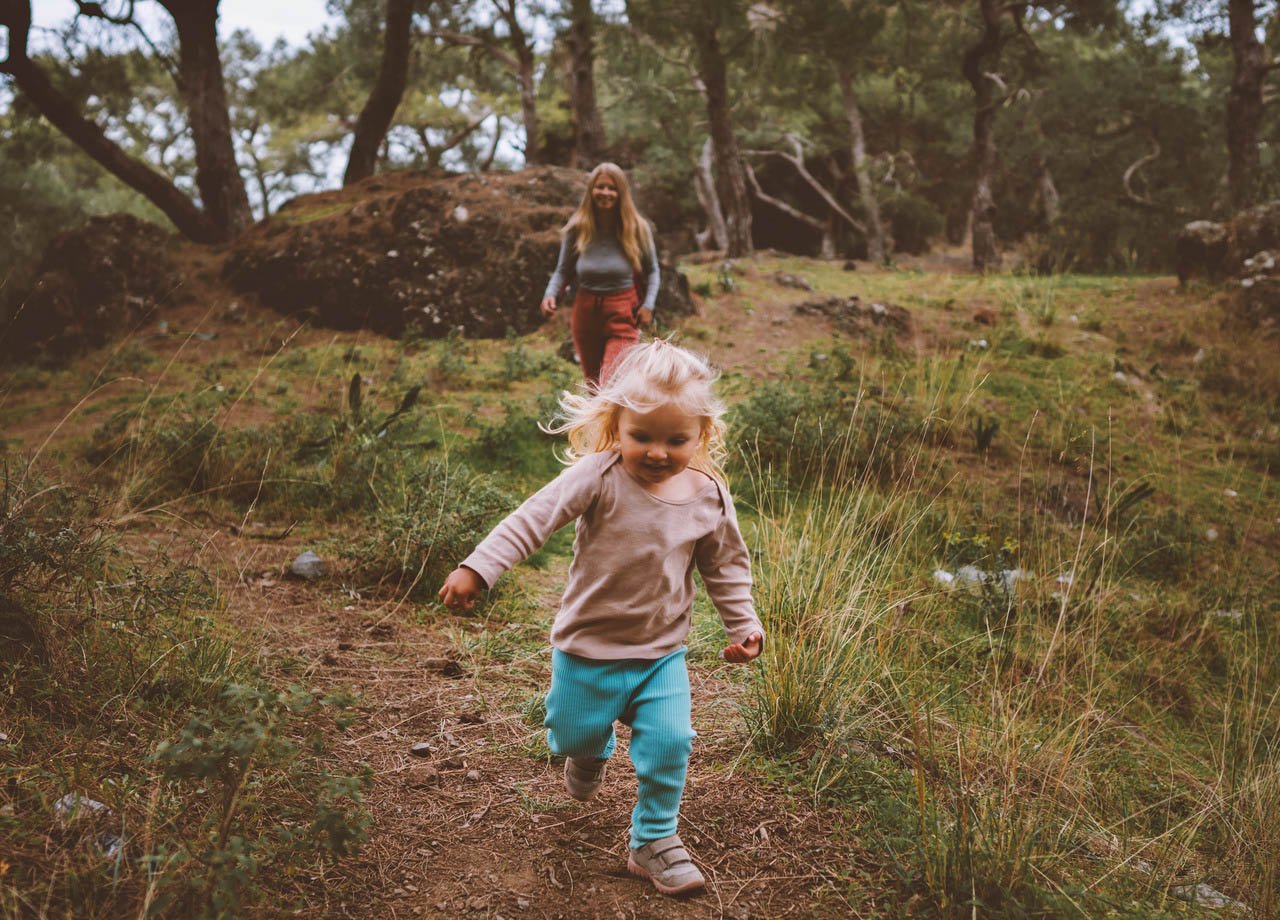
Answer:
(583, 776)
(667, 864)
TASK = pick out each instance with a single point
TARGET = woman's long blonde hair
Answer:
(648, 376)
(633, 230)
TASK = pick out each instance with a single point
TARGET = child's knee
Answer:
(664, 750)
(576, 736)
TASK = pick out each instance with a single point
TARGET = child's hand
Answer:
(461, 588)
(745, 651)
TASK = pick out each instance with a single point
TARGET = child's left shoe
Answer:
(668, 865)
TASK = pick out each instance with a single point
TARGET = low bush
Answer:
(105, 661)
(419, 534)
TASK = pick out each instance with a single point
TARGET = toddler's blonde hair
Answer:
(648, 376)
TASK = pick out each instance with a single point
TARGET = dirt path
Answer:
(482, 825)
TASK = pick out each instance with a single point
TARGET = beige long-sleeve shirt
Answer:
(630, 588)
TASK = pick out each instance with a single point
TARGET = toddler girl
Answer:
(650, 501)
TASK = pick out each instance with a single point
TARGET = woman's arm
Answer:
(560, 277)
(653, 277)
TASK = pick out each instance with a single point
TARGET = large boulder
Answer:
(92, 284)
(1201, 250)
(422, 253)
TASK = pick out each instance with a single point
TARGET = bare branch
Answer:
(97, 11)
(797, 161)
(461, 39)
(1144, 200)
(779, 204)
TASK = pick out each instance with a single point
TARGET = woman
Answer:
(606, 247)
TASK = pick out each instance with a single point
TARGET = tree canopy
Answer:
(1082, 132)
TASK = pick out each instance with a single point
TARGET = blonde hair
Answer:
(648, 376)
(634, 232)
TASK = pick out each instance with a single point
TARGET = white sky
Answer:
(268, 20)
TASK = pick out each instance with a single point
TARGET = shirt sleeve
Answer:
(523, 531)
(564, 267)
(725, 565)
(654, 277)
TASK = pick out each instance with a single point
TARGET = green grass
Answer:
(1053, 749)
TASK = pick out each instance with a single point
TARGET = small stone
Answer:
(1230, 493)
(421, 749)
(1206, 896)
(522, 903)
(73, 805)
(461, 214)
(1211, 534)
(473, 776)
(307, 566)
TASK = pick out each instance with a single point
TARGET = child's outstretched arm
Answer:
(523, 531)
(461, 588)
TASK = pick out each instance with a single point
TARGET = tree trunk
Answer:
(529, 106)
(200, 82)
(61, 113)
(1244, 104)
(524, 70)
(711, 70)
(877, 248)
(978, 59)
(588, 130)
(705, 185)
(384, 99)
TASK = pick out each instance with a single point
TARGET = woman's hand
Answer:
(745, 651)
(461, 588)
(548, 306)
(644, 316)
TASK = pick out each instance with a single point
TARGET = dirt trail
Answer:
(482, 826)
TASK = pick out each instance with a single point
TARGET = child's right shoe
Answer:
(583, 776)
(668, 865)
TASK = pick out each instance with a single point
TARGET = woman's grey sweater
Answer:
(602, 267)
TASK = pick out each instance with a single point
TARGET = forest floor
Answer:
(480, 825)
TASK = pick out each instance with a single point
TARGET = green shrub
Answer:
(914, 222)
(110, 662)
(439, 515)
(262, 806)
(822, 433)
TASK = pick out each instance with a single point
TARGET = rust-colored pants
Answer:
(603, 327)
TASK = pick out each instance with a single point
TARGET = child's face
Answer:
(658, 445)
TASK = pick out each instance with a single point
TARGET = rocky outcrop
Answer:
(92, 284)
(1245, 249)
(422, 254)
(1201, 250)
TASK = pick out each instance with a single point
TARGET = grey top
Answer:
(602, 267)
(630, 589)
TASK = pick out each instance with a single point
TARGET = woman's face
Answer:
(604, 193)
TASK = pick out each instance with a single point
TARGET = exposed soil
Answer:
(482, 826)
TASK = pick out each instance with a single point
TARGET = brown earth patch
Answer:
(482, 825)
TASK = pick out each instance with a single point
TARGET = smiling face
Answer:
(604, 193)
(657, 446)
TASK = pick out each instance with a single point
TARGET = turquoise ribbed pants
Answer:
(588, 695)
